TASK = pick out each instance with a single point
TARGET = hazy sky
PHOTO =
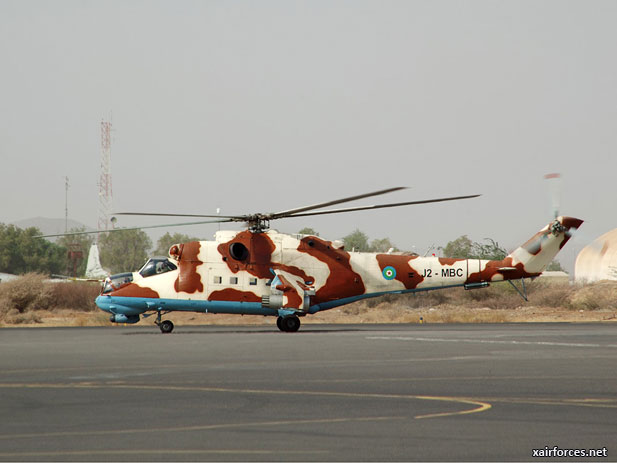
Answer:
(264, 106)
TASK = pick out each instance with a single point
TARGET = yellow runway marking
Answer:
(443, 378)
(579, 402)
(478, 406)
(207, 427)
(481, 406)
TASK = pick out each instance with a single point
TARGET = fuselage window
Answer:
(253, 282)
(233, 280)
(218, 280)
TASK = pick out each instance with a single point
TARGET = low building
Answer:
(4, 277)
(554, 276)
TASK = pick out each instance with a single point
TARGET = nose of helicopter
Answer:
(103, 303)
(112, 305)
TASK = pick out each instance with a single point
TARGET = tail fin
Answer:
(541, 249)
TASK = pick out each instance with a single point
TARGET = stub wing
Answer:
(288, 291)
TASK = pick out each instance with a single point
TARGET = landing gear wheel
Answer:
(166, 326)
(289, 324)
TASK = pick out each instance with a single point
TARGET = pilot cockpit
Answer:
(156, 266)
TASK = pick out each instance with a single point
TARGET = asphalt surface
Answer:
(326, 393)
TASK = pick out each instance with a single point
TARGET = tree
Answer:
(382, 245)
(490, 251)
(77, 243)
(167, 241)
(124, 250)
(21, 252)
(308, 231)
(460, 248)
(356, 241)
(464, 248)
(555, 266)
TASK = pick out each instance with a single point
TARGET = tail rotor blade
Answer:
(555, 192)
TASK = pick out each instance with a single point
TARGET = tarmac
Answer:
(326, 393)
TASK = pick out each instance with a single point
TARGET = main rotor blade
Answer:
(270, 216)
(160, 214)
(380, 206)
(290, 212)
(135, 228)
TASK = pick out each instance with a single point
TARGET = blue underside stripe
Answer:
(138, 305)
(348, 300)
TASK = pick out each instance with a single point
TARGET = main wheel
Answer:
(290, 324)
(278, 323)
(166, 326)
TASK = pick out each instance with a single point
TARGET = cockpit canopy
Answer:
(156, 266)
(117, 281)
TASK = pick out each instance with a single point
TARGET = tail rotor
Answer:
(555, 188)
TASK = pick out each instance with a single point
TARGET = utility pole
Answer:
(75, 254)
(66, 204)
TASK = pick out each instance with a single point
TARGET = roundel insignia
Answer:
(389, 273)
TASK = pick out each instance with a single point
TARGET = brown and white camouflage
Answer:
(282, 275)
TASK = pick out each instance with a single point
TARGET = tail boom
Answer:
(399, 272)
(530, 259)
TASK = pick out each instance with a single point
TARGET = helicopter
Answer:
(259, 271)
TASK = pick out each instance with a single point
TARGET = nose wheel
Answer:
(288, 324)
(166, 326)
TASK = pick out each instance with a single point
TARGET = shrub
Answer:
(497, 296)
(25, 294)
(551, 295)
(76, 295)
(428, 298)
(16, 318)
(358, 307)
(601, 295)
(32, 292)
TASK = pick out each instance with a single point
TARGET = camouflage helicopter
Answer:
(260, 271)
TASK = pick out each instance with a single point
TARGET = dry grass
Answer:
(596, 296)
(499, 303)
(498, 296)
(31, 300)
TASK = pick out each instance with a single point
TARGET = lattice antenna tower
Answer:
(105, 192)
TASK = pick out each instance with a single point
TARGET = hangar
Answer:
(598, 260)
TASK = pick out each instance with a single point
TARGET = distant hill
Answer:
(50, 226)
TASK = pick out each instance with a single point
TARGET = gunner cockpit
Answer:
(156, 266)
